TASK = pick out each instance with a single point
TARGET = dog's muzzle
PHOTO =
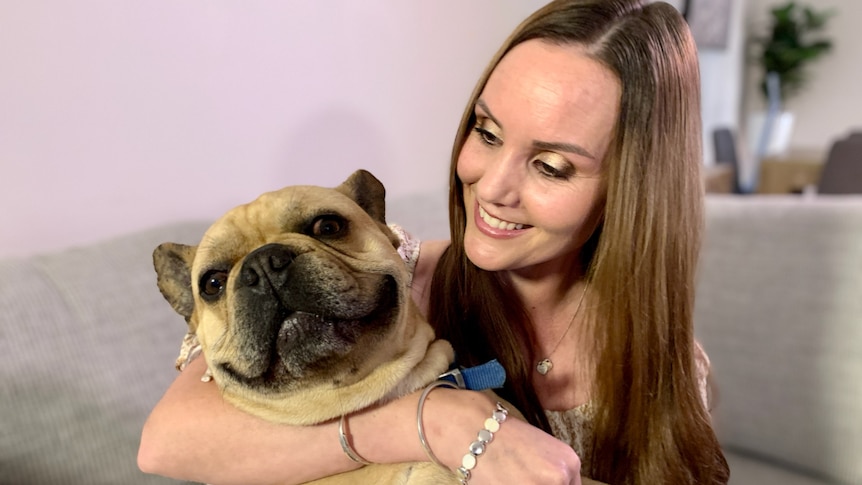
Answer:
(301, 313)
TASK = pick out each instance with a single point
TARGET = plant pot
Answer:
(778, 139)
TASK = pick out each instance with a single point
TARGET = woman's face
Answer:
(531, 166)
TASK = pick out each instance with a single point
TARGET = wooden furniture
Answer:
(718, 178)
(790, 173)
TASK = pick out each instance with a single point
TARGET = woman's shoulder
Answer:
(429, 256)
(431, 253)
(421, 258)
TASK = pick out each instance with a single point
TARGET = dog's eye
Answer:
(328, 226)
(212, 284)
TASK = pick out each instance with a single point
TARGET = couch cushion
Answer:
(87, 346)
(779, 310)
(748, 470)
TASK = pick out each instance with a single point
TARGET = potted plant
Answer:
(792, 44)
(793, 41)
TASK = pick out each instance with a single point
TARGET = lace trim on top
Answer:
(408, 248)
(576, 426)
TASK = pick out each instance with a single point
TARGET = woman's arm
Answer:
(429, 254)
(193, 434)
(519, 453)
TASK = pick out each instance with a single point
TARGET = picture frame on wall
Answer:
(710, 22)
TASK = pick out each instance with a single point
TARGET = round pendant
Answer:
(544, 366)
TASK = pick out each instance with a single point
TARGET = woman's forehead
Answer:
(551, 91)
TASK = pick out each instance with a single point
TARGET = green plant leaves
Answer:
(792, 44)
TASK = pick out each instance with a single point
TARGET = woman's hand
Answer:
(524, 454)
(519, 453)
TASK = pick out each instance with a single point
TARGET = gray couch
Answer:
(779, 310)
(87, 347)
(86, 350)
(87, 344)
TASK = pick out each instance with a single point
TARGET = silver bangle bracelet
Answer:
(345, 444)
(420, 427)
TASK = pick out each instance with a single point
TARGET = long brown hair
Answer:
(650, 425)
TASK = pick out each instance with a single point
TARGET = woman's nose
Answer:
(501, 181)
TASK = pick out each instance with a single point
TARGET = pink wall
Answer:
(116, 116)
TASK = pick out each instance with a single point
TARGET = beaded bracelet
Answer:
(345, 444)
(477, 448)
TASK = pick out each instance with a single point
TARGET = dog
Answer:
(301, 305)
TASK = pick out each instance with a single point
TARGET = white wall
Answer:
(117, 115)
(721, 74)
(831, 105)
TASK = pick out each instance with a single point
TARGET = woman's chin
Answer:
(483, 256)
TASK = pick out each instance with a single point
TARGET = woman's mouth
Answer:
(495, 223)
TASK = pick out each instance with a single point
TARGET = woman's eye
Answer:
(551, 171)
(213, 283)
(487, 137)
(328, 226)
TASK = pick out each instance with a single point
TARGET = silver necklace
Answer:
(545, 365)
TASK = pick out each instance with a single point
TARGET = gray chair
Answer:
(724, 143)
(842, 171)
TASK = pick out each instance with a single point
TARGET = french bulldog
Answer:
(302, 307)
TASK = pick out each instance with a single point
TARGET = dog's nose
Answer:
(268, 259)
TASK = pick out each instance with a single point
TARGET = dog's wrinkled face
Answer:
(301, 288)
(292, 294)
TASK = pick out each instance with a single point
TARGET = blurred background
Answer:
(117, 116)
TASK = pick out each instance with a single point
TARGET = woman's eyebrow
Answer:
(541, 145)
(488, 113)
(563, 147)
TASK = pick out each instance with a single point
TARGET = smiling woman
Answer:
(543, 124)
(617, 219)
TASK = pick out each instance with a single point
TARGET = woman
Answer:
(575, 208)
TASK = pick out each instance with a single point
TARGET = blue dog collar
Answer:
(490, 375)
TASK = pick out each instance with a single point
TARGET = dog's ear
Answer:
(173, 263)
(368, 192)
